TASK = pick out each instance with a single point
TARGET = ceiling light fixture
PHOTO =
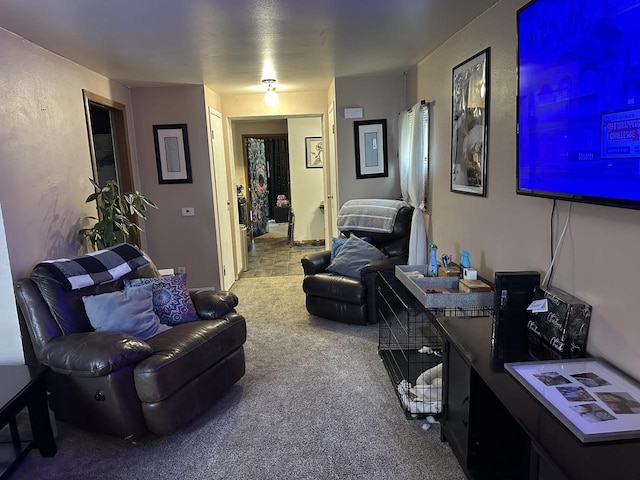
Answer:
(271, 97)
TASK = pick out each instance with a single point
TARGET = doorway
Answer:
(268, 178)
(109, 145)
(107, 128)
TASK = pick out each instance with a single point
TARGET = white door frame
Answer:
(224, 225)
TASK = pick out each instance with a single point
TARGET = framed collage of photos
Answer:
(591, 398)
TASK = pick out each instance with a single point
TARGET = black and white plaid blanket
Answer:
(96, 267)
(369, 215)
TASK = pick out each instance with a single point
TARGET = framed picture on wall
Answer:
(469, 125)
(172, 153)
(370, 137)
(315, 153)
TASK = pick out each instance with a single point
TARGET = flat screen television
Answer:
(579, 101)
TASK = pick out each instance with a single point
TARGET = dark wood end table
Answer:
(24, 386)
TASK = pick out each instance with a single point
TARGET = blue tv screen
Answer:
(579, 101)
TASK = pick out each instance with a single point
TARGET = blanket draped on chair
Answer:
(96, 267)
(369, 215)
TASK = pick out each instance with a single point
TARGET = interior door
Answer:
(332, 161)
(224, 225)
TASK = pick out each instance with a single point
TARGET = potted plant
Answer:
(116, 212)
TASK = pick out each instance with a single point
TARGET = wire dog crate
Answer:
(410, 345)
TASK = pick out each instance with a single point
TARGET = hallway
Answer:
(271, 256)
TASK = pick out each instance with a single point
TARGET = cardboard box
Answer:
(450, 271)
(471, 286)
(564, 327)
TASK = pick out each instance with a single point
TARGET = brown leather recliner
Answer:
(115, 383)
(352, 300)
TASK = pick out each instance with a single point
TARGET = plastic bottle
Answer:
(464, 261)
(433, 260)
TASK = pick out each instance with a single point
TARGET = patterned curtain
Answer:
(277, 154)
(258, 179)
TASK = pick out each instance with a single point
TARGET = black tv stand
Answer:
(497, 429)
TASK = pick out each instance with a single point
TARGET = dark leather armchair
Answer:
(115, 383)
(348, 299)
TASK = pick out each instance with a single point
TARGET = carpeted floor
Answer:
(315, 403)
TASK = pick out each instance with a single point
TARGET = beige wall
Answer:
(44, 153)
(305, 194)
(380, 97)
(174, 240)
(505, 231)
(10, 344)
(44, 150)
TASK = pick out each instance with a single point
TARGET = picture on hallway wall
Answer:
(315, 153)
(370, 137)
(172, 153)
(469, 126)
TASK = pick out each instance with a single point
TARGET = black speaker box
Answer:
(513, 292)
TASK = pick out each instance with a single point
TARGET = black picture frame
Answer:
(314, 152)
(370, 137)
(172, 153)
(470, 125)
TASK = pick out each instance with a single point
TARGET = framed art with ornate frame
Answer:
(469, 125)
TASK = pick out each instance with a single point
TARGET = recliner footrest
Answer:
(335, 287)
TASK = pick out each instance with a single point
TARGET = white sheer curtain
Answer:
(412, 142)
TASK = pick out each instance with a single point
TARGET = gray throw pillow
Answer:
(171, 300)
(127, 311)
(354, 254)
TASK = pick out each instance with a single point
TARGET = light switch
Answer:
(188, 211)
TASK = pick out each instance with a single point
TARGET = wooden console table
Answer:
(24, 386)
(497, 429)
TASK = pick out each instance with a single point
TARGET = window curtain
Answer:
(413, 135)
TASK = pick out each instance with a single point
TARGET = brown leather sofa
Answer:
(115, 383)
(352, 300)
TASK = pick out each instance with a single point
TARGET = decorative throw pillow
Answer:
(171, 300)
(354, 254)
(338, 242)
(336, 245)
(126, 311)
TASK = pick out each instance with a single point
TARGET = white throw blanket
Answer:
(369, 215)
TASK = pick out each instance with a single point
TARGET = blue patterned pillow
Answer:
(171, 300)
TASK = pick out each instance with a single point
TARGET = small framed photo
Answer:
(172, 153)
(595, 401)
(371, 148)
(315, 153)
(469, 125)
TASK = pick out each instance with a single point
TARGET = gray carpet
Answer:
(315, 403)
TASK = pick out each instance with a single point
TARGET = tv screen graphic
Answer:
(579, 101)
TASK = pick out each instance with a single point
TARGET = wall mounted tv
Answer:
(579, 101)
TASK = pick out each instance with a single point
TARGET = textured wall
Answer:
(380, 97)
(504, 231)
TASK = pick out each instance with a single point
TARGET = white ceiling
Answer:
(231, 45)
